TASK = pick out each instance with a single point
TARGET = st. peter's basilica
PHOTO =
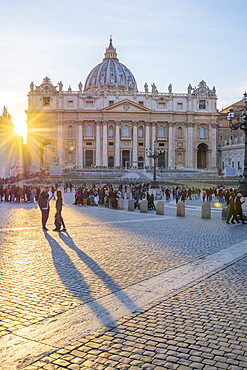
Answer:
(109, 123)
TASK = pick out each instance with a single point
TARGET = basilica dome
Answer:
(110, 73)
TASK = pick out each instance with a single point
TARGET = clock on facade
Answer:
(202, 90)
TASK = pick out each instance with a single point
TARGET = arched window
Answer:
(202, 133)
(180, 133)
(161, 131)
(140, 131)
(89, 130)
(126, 131)
(70, 131)
(110, 131)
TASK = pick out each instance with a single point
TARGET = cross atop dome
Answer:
(110, 51)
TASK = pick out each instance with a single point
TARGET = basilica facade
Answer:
(109, 123)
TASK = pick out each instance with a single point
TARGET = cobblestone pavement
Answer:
(203, 326)
(44, 275)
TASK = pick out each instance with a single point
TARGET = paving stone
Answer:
(206, 319)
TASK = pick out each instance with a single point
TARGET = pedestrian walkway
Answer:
(122, 290)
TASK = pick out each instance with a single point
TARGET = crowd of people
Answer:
(107, 195)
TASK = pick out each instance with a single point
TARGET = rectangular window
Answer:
(141, 103)
(140, 144)
(180, 105)
(162, 105)
(89, 143)
(202, 104)
(46, 101)
(111, 102)
(239, 168)
(111, 143)
(232, 164)
(221, 138)
(89, 103)
(161, 144)
(70, 103)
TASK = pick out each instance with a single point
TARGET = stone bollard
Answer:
(120, 203)
(181, 209)
(131, 205)
(160, 208)
(128, 195)
(206, 210)
(144, 206)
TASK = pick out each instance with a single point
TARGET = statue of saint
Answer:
(146, 87)
(5, 111)
(189, 89)
(31, 86)
(154, 88)
(80, 86)
(60, 84)
(170, 88)
(56, 160)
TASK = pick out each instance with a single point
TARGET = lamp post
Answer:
(243, 126)
(154, 154)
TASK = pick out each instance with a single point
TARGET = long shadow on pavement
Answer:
(102, 274)
(75, 282)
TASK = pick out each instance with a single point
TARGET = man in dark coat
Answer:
(43, 202)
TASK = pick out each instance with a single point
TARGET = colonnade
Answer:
(102, 151)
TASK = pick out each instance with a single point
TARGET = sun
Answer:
(19, 122)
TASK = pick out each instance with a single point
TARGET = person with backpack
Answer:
(58, 216)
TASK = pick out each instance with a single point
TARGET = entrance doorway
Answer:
(110, 162)
(125, 157)
(88, 158)
(202, 156)
(140, 162)
(161, 160)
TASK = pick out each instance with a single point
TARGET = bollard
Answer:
(160, 208)
(128, 195)
(144, 206)
(181, 209)
(120, 203)
(131, 205)
(206, 210)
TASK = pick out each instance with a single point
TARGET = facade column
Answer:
(171, 148)
(135, 148)
(190, 145)
(117, 144)
(104, 145)
(60, 140)
(154, 135)
(213, 136)
(79, 145)
(97, 156)
(147, 143)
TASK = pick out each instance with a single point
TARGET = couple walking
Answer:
(44, 205)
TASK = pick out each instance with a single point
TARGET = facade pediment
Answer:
(126, 106)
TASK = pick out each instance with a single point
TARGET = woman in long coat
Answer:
(59, 206)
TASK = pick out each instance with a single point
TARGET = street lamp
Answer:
(154, 154)
(243, 126)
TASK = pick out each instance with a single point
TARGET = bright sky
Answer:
(160, 41)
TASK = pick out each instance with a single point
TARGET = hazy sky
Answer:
(160, 41)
